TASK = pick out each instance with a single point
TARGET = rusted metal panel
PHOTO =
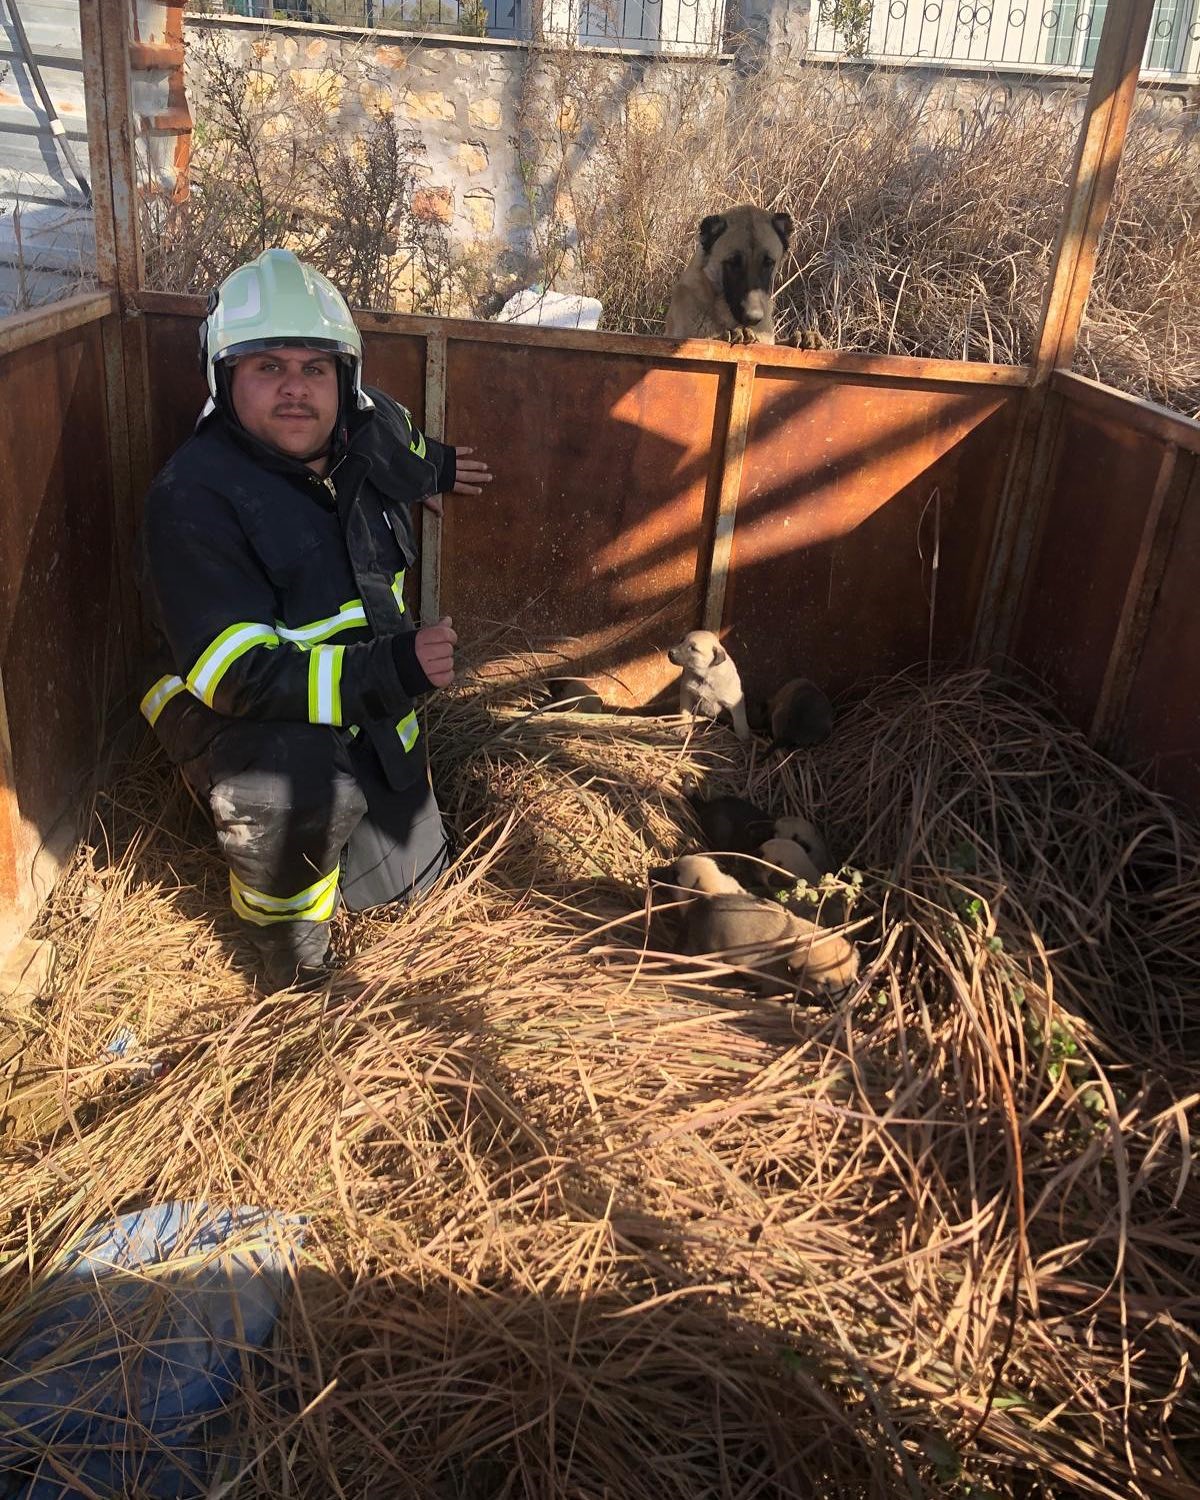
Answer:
(863, 525)
(1162, 721)
(1146, 572)
(593, 534)
(396, 364)
(57, 589)
(1133, 412)
(23, 329)
(177, 385)
(1099, 494)
(897, 368)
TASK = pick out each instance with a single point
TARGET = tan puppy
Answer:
(728, 288)
(725, 921)
(787, 854)
(710, 680)
(807, 836)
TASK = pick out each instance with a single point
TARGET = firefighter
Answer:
(274, 551)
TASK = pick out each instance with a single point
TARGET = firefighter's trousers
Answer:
(304, 818)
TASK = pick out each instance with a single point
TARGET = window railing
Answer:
(687, 26)
(1058, 35)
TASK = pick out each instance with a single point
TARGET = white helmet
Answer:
(275, 301)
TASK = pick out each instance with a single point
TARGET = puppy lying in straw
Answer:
(710, 680)
(731, 824)
(569, 695)
(799, 714)
(724, 921)
(792, 859)
(808, 836)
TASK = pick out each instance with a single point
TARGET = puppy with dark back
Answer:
(799, 715)
(728, 288)
(732, 825)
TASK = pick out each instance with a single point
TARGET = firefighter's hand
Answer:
(470, 474)
(435, 652)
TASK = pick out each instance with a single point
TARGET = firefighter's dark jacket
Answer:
(280, 595)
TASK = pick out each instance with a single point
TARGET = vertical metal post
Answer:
(733, 455)
(105, 32)
(431, 525)
(1167, 501)
(1106, 118)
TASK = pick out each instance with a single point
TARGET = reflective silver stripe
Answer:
(315, 903)
(351, 615)
(407, 730)
(160, 695)
(325, 684)
(205, 676)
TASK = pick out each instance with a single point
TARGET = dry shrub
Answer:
(584, 1224)
(920, 229)
(268, 169)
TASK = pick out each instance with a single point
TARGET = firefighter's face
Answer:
(287, 397)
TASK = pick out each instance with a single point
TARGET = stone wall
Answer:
(470, 100)
(466, 97)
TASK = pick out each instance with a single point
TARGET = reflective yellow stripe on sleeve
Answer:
(325, 684)
(407, 730)
(205, 677)
(417, 443)
(398, 589)
(160, 695)
(315, 903)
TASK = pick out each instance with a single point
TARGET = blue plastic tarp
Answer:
(135, 1342)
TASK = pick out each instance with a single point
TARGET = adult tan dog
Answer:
(710, 681)
(728, 288)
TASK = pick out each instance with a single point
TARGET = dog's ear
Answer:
(711, 230)
(719, 655)
(782, 225)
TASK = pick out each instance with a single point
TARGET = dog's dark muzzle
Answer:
(673, 656)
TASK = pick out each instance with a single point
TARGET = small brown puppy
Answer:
(728, 288)
(710, 681)
(800, 714)
(725, 921)
(804, 833)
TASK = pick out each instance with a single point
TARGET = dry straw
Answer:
(582, 1224)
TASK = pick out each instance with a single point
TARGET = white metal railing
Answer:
(1058, 35)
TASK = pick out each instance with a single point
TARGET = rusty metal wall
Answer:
(863, 523)
(860, 524)
(59, 662)
(1109, 617)
(592, 538)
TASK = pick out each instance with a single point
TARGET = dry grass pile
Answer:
(580, 1224)
(923, 227)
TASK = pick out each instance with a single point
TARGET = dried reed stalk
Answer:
(583, 1224)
